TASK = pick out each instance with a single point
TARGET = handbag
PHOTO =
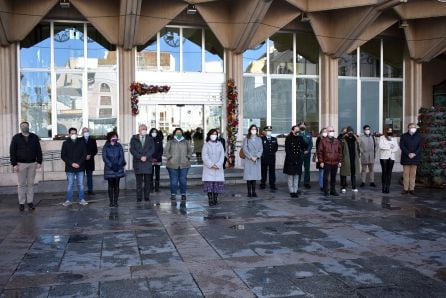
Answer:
(242, 154)
(314, 158)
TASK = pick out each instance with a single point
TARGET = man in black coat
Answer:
(92, 150)
(73, 154)
(268, 160)
(410, 144)
(26, 156)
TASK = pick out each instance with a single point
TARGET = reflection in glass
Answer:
(370, 54)
(146, 58)
(393, 50)
(100, 53)
(212, 117)
(393, 105)
(281, 53)
(254, 102)
(102, 103)
(281, 111)
(192, 49)
(35, 100)
(254, 61)
(370, 104)
(35, 48)
(170, 49)
(307, 59)
(69, 45)
(307, 97)
(347, 97)
(69, 101)
(213, 54)
(347, 65)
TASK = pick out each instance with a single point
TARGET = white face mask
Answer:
(268, 133)
(412, 130)
(73, 137)
(213, 137)
(331, 134)
(367, 131)
(86, 134)
(253, 131)
(324, 134)
(154, 134)
(143, 132)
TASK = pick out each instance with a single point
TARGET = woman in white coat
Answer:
(388, 146)
(213, 156)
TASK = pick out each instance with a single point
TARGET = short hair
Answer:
(178, 128)
(71, 129)
(301, 123)
(410, 124)
(141, 125)
(24, 122)
(366, 126)
(110, 135)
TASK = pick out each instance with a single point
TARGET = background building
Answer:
(70, 63)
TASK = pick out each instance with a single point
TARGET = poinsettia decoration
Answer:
(232, 120)
(137, 89)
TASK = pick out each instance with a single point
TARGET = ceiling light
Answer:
(304, 17)
(191, 9)
(64, 4)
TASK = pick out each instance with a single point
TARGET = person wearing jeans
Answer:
(410, 144)
(178, 153)
(73, 154)
(387, 149)
(26, 156)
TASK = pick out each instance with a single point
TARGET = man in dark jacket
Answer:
(410, 144)
(329, 154)
(26, 156)
(92, 149)
(73, 154)
(142, 148)
(268, 160)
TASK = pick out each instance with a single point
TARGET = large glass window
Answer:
(347, 109)
(307, 60)
(192, 49)
(254, 60)
(146, 57)
(347, 65)
(281, 112)
(213, 55)
(393, 105)
(307, 102)
(370, 104)
(81, 88)
(393, 50)
(254, 102)
(370, 54)
(170, 49)
(281, 53)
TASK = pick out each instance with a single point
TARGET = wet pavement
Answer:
(270, 246)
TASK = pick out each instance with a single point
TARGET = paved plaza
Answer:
(270, 246)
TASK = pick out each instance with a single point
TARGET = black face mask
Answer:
(390, 134)
(302, 128)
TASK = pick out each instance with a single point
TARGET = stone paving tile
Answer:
(134, 288)
(75, 290)
(38, 292)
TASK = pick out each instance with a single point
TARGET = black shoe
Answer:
(322, 189)
(254, 195)
(296, 195)
(404, 192)
(31, 206)
(362, 184)
(411, 192)
(147, 199)
(111, 203)
(115, 203)
(308, 186)
(326, 194)
(262, 186)
(91, 193)
(183, 198)
(273, 187)
(334, 193)
(372, 184)
(22, 207)
(138, 199)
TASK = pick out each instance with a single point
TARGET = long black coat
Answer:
(74, 152)
(92, 149)
(294, 150)
(410, 144)
(138, 150)
(158, 152)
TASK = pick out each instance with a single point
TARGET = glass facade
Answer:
(65, 71)
(286, 68)
(347, 96)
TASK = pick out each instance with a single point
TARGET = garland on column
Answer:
(138, 89)
(232, 121)
(432, 123)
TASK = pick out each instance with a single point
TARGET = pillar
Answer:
(412, 91)
(329, 92)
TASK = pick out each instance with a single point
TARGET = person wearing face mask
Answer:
(322, 134)
(268, 160)
(213, 175)
(142, 148)
(253, 149)
(350, 161)
(368, 147)
(92, 150)
(114, 162)
(157, 156)
(387, 149)
(26, 157)
(329, 154)
(178, 153)
(410, 144)
(295, 146)
(74, 154)
(308, 138)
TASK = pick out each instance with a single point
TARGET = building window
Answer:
(106, 101)
(53, 92)
(254, 102)
(105, 113)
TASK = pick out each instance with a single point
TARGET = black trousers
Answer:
(271, 167)
(330, 171)
(386, 168)
(113, 188)
(156, 172)
(143, 190)
(344, 181)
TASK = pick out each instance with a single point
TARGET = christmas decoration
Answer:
(138, 89)
(232, 120)
(432, 123)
